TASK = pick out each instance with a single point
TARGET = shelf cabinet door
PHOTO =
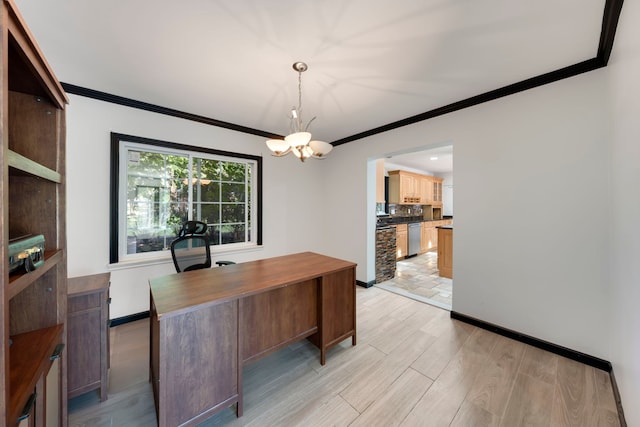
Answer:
(88, 335)
(52, 395)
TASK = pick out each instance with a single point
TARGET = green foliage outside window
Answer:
(163, 192)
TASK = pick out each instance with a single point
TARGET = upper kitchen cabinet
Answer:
(436, 191)
(404, 188)
(408, 188)
(33, 308)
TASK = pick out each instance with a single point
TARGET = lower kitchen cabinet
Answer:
(429, 238)
(402, 241)
(88, 334)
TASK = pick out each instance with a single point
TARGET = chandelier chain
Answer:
(300, 100)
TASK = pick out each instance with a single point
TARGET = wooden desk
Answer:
(207, 324)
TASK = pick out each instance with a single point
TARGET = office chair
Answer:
(190, 251)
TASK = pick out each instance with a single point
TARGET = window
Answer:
(157, 186)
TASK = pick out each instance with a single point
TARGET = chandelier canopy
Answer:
(299, 140)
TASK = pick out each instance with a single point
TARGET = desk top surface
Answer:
(182, 292)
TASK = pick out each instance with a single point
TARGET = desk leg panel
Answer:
(198, 358)
(337, 309)
(273, 319)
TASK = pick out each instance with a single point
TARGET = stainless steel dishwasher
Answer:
(414, 231)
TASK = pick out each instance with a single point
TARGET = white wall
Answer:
(291, 206)
(623, 70)
(530, 244)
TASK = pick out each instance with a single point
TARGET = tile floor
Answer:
(417, 278)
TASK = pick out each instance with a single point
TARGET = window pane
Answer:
(207, 212)
(156, 200)
(233, 192)
(206, 192)
(229, 233)
(179, 189)
(232, 213)
(234, 172)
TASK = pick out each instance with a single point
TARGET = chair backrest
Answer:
(190, 251)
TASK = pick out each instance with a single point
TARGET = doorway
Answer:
(418, 277)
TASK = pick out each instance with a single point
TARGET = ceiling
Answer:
(371, 62)
(436, 161)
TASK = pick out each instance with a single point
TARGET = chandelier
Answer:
(299, 140)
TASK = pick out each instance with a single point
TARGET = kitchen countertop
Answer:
(387, 221)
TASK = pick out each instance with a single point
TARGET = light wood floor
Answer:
(413, 366)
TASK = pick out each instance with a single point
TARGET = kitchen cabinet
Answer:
(33, 305)
(429, 239)
(88, 336)
(445, 252)
(403, 188)
(408, 188)
(429, 236)
(402, 241)
(436, 191)
(426, 190)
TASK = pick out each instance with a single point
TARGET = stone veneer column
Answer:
(385, 254)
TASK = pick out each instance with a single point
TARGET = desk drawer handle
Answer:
(57, 352)
(27, 408)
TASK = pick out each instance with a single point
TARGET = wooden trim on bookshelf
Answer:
(24, 164)
(23, 37)
(20, 281)
(28, 361)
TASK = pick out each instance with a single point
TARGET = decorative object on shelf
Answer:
(299, 140)
(26, 253)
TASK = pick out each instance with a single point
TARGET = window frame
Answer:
(118, 140)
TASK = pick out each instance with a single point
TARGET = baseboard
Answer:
(593, 361)
(365, 284)
(545, 345)
(129, 318)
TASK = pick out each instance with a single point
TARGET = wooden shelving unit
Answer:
(33, 306)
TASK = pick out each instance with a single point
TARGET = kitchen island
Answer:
(445, 251)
